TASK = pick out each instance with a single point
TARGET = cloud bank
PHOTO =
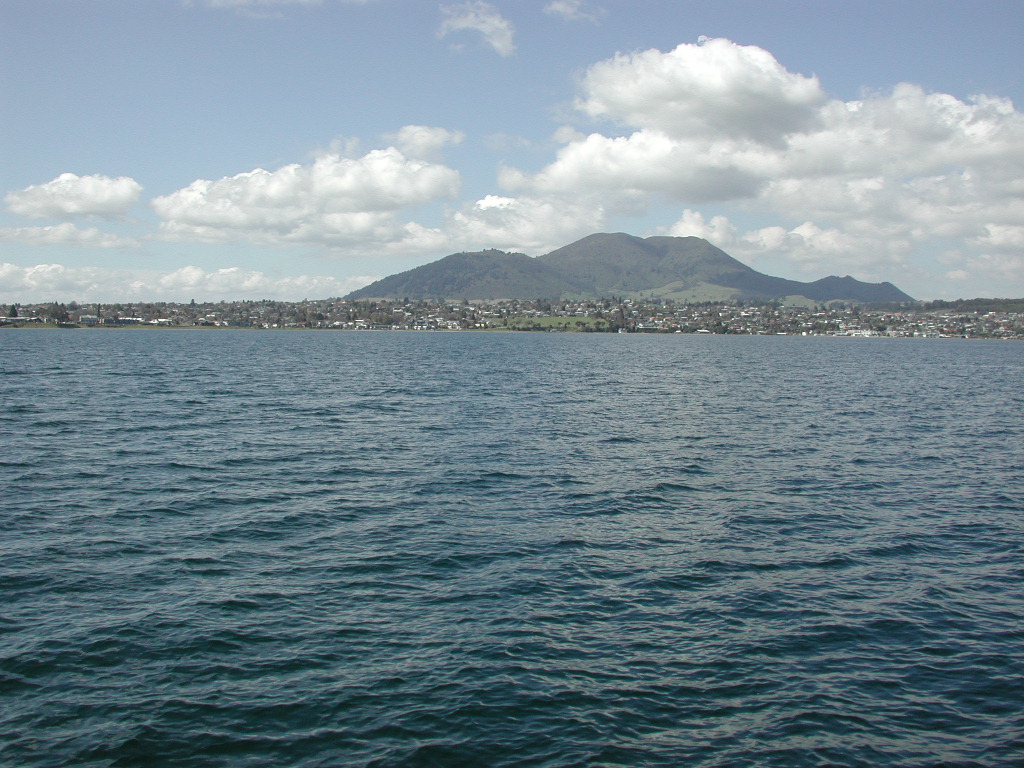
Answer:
(56, 282)
(66, 234)
(866, 183)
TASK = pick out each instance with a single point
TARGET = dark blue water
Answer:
(400, 549)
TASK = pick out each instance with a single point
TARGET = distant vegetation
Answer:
(977, 305)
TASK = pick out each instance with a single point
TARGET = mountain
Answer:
(681, 268)
(479, 275)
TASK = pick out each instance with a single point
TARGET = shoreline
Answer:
(147, 327)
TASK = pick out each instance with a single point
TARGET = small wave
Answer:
(672, 487)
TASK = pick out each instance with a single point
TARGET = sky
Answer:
(170, 150)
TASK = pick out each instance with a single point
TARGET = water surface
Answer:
(414, 549)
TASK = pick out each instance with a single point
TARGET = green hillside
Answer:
(680, 268)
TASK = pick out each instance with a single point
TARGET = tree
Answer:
(58, 312)
(13, 311)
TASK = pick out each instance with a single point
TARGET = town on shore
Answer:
(974, 318)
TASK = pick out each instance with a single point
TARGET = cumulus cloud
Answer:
(526, 224)
(644, 163)
(70, 195)
(818, 251)
(719, 230)
(65, 234)
(49, 282)
(854, 185)
(46, 282)
(335, 201)
(708, 90)
(813, 250)
(481, 17)
(572, 10)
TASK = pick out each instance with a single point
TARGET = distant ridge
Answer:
(600, 265)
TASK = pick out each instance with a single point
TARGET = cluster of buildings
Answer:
(971, 319)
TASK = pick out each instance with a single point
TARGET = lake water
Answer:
(248, 548)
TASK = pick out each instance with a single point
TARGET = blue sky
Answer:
(230, 149)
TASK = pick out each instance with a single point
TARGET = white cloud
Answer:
(478, 16)
(235, 281)
(821, 251)
(875, 187)
(335, 201)
(573, 10)
(1002, 238)
(706, 91)
(1006, 268)
(423, 142)
(56, 282)
(70, 195)
(525, 224)
(45, 282)
(644, 163)
(65, 234)
(814, 250)
(810, 250)
(719, 231)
